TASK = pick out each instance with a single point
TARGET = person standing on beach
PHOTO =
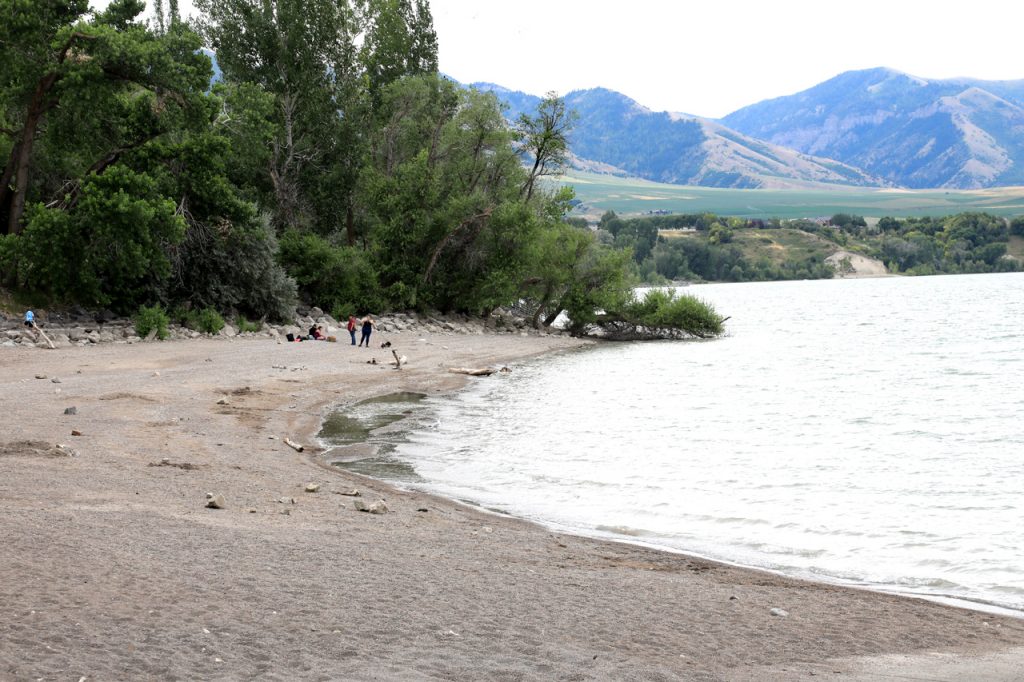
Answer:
(352, 328)
(368, 325)
(30, 318)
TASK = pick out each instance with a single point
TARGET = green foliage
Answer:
(148, 319)
(331, 161)
(109, 250)
(656, 313)
(331, 277)
(209, 321)
(671, 309)
(245, 325)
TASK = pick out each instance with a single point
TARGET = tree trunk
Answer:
(550, 319)
(350, 225)
(17, 169)
(544, 300)
(19, 164)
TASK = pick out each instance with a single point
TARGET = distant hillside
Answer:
(614, 131)
(960, 133)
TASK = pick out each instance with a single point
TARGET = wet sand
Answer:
(113, 568)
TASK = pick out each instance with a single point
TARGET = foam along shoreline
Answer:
(113, 565)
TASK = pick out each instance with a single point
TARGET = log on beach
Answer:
(473, 371)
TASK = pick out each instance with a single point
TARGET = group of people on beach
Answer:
(366, 325)
(316, 333)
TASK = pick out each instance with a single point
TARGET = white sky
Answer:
(712, 57)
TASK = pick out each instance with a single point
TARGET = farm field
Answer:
(633, 196)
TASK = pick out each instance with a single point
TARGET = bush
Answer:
(245, 325)
(330, 277)
(234, 268)
(149, 319)
(209, 321)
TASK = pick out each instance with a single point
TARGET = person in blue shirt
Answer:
(30, 318)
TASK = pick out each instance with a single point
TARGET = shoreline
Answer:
(596, 534)
(114, 566)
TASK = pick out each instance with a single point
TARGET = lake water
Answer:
(855, 431)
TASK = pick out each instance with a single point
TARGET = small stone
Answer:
(422, 509)
(351, 493)
(378, 507)
(286, 500)
(223, 401)
(76, 432)
(167, 460)
(55, 380)
(781, 613)
(360, 505)
(70, 410)
(216, 502)
(40, 376)
(312, 487)
(209, 496)
(156, 374)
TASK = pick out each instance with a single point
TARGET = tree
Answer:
(543, 140)
(441, 197)
(92, 86)
(399, 41)
(304, 55)
(658, 314)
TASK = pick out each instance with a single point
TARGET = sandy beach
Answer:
(112, 567)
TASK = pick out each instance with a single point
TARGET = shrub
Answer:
(209, 321)
(149, 319)
(245, 325)
(233, 267)
(329, 276)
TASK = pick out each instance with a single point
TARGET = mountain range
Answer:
(875, 127)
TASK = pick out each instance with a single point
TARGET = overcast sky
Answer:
(712, 57)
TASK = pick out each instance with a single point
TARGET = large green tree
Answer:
(87, 86)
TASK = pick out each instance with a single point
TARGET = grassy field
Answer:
(775, 246)
(630, 197)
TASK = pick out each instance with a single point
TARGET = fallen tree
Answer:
(654, 314)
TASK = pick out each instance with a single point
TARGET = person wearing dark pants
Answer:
(352, 324)
(368, 325)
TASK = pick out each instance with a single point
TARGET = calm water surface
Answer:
(865, 431)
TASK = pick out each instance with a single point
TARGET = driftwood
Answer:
(473, 372)
(293, 445)
(399, 361)
(43, 334)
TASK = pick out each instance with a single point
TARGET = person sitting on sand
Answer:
(316, 332)
(368, 325)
